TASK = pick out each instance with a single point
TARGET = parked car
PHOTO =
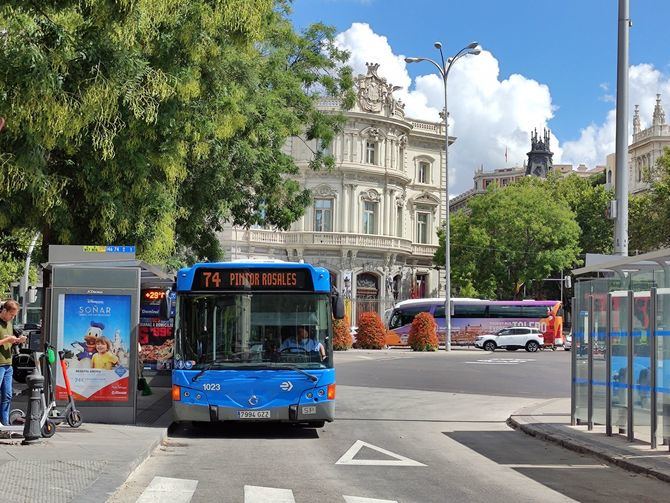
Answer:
(567, 345)
(511, 339)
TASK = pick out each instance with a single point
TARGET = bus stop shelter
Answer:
(621, 347)
(92, 313)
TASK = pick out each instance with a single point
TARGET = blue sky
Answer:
(550, 63)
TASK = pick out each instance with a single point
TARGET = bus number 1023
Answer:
(212, 279)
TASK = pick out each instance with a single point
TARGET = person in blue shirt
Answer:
(302, 343)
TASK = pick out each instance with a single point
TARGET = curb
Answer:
(109, 487)
(582, 448)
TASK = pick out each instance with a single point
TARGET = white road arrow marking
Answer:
(358, 499)
(258, 494)
(168, 490)
(348, 457)
(286, 385)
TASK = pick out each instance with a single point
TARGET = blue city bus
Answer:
(253, 342)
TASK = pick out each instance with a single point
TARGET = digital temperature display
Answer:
(153, 294)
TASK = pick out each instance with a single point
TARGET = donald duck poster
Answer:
(94, 332)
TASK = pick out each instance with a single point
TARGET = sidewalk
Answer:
(550, 421)
(86, 464)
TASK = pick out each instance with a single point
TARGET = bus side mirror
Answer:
(338, 307)
(166, 305)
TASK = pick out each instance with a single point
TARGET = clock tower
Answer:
(539, 157)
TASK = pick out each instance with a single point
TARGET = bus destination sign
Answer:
(252, 279)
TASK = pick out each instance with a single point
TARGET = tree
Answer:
(649, 212)
(588, 199)
(342, 339)
(511, 237)
(371, 332)
(153, 122)
(423, 333)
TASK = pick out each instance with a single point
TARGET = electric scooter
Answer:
(17, 417)
(70, 414)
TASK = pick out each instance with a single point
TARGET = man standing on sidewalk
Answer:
(8, 312)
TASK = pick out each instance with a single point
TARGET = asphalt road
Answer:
(394, 441)
(544, 374)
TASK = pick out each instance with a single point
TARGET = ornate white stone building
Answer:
(375, 216)
(644, 152)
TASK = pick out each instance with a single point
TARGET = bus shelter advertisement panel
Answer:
(94, 332)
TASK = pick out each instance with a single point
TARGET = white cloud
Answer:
(596, 141)
(487, 115)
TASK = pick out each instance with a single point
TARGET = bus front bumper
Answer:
(298, 413)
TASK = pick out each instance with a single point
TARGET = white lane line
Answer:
(348, 457)
(258, 494)
(358, 499)
(558, 466)
(168, 490)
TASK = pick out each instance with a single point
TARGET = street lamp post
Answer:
(443, 70)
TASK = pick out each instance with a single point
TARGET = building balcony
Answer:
(423, 250)
(330, 240)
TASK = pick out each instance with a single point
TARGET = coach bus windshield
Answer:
(254, 330)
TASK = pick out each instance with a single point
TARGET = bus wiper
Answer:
(205, 369)
(311, 377)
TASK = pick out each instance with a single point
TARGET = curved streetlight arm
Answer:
(435, 64)
(459, 54)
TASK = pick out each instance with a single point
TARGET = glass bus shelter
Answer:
(621, 347)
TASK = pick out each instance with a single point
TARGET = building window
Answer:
(323, 215)
(370, 152)
(421, 286)
(423, 174)
(399, 221)
(369, 217)
(422, 228)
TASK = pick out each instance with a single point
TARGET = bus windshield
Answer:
(254, 330)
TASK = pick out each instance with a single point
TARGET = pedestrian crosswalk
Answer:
(503, 361)
(175, 490)
(164, 489)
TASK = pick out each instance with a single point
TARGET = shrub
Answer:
(423, 333)
(342, 339)
(371, 332)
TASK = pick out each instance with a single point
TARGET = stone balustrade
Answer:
(336, 240)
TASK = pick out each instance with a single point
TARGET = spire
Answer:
(636, 120)
(659, 113)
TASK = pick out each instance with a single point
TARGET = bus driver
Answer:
(302, 342)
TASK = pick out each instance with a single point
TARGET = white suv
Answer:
(512, 338)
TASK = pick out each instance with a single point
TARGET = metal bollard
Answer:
(32, 431)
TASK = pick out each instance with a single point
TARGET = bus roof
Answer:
(320, 277)
(433, 300)
(464, 300)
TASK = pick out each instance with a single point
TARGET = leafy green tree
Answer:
(649, 212)
(588, 199)
(13, 249)
(151, 122)
(511, 237)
